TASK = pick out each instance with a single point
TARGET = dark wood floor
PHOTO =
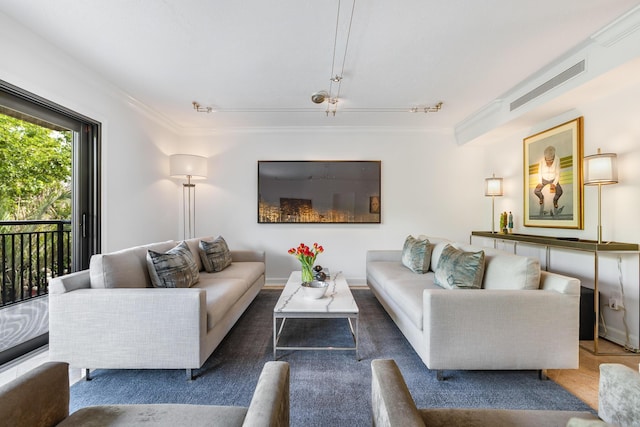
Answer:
(583, 382)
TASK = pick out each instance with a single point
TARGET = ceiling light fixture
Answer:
(335, 78)
(319, 97)
(432, 109)
(201, 109)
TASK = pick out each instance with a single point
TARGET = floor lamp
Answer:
(600, 169)
(190, 167)
(493, 188)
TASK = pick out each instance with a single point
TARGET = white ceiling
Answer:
(257, 62)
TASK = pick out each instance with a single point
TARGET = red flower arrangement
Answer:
(307, 257)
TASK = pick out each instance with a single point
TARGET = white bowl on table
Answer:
(314, 289)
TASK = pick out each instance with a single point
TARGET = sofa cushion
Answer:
(124, 269)
(249, 271)
(407, 294)
(215, 254)
(175, 268)
(221, 295)
(459, 269)
(195, 250)
(158, 415)
(503, 270)
(386, 273)
(416, 254)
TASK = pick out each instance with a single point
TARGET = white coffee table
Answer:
(338, 302)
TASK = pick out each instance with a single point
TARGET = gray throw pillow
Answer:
(416, 254)
(175, 268)
(460, 269)
(215, 254)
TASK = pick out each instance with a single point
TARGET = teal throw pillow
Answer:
(458, 269)
(215, 254)
(416, 254)
(175, 268)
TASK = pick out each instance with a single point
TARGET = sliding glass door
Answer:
(49, 209)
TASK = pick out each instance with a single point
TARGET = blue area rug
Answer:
(328, 388)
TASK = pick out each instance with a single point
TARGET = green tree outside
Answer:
(35, 184)
(35, 171)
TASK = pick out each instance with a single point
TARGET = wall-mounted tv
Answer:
(319, 191)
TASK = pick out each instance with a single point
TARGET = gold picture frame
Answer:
(553, 190)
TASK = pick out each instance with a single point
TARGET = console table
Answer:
(569, 244)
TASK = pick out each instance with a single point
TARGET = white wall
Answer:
(429, 186)
(135, 192)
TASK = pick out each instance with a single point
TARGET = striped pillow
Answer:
(215, 254)
(175, 268)
(459, 269)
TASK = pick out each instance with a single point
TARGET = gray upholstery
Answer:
(40, 398)
(393, 406)
(126, 324)
(619, 395)
(509, 324)
(45, 388)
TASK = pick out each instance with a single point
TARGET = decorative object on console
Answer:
(493, 188)
(503, 223)
(553, 177)
(190, 167)
(307, 257)
(600, 169)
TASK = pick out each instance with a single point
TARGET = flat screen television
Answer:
(306, 191)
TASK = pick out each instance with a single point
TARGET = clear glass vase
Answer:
(307, 273)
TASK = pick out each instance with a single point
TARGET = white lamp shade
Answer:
(183, 165)
(601, 168)
(493, 186)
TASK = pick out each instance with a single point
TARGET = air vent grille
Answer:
(549, 84)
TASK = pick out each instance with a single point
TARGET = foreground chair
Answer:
(40, 398)
(618, 404)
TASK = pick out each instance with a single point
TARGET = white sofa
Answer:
(501, 326)
(110, 317)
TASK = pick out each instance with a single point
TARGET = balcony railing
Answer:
(31, 253)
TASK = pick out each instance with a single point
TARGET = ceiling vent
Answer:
(545, 87)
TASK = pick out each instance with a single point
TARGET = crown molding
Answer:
(314, 129)
(618, 30)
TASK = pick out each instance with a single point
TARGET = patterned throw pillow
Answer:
(215, 254)
(460, 269)
(175, 268)
(416, 254)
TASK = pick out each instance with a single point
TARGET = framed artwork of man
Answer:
(553, 177)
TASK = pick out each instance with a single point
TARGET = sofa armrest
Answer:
(384, 255)
(619, 395)
(38, 398)
(557, 282)
(500, 329)
(269, 406)
(391, 400)
(247, 256)
(128, 327)
(70, 282)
